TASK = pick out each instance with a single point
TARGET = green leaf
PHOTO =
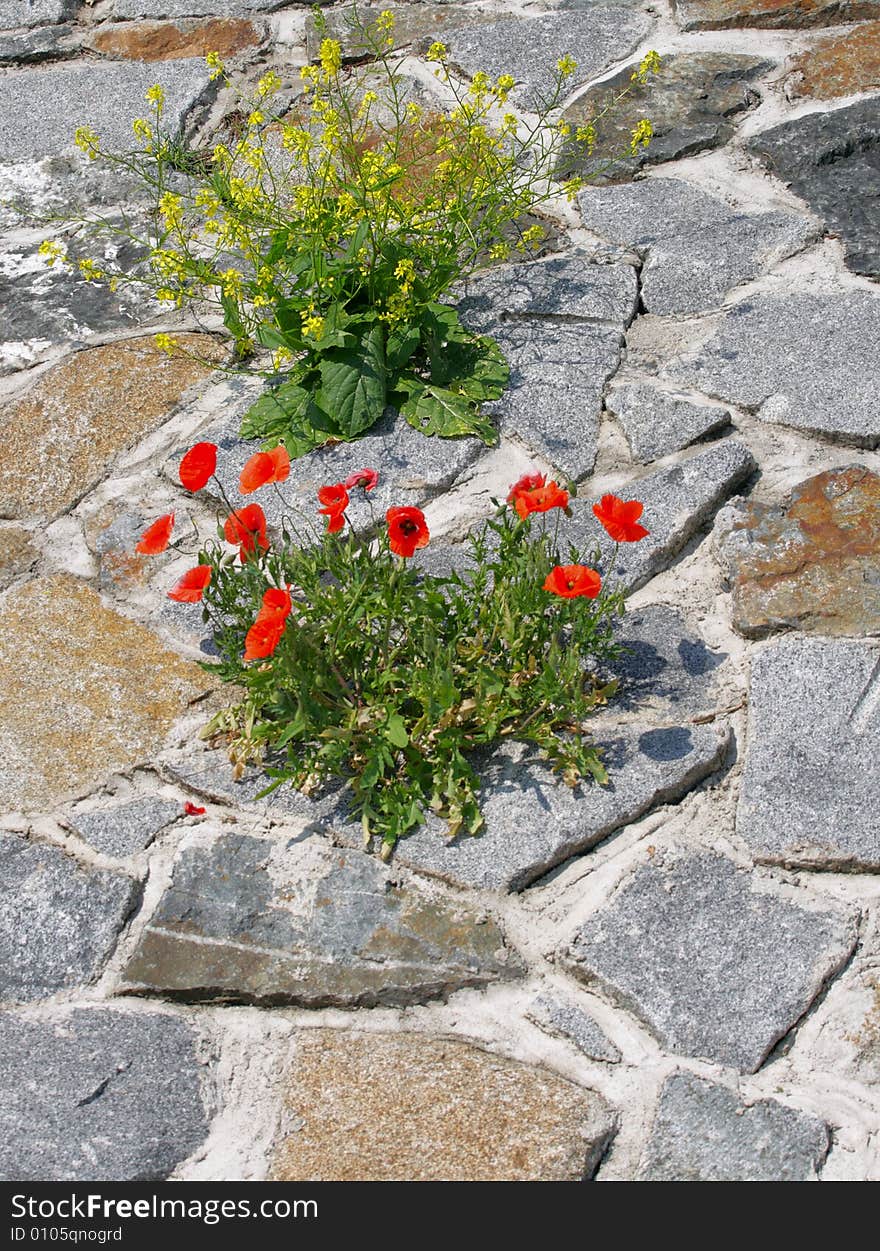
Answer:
(402, 342)
(482, 372)
(395, 731)
(352, 386)
(435, 410)
(288, 413)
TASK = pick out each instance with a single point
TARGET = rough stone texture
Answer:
(127, 828)
(697, 248)
(42, 44)
(248, 920)
(832, 160)
(564, 1019)
(657, 423)
(411, 468)
(570, 286)
(812, 775)
(63, 435)
(412, 22)
(775, 14)
(703, 1132)
(41, 108)
(813, 565)
(59, 920)
(789, 358)
(167, 41)
(841, 65)
(678, 502)
(18, 553)
(19, 13)
(83, 691)
(98, 1096)
(665, 668)
(193, 8)
(451, 1112)
(529, 48)
(693, 104)
(714, 961)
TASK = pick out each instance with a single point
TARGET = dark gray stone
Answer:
(43, 44)
(810, 788)
(775, 14)
(716, 963)
(249, 920)
(41, 108)
(657, 423)
(193, 8)
(678, 502)
(832, 160)
(697, 248)
(528, 48)
(98, 1096)
(127, 828)
(15, 14)
(693, 104)
(802, 360)
(703, 1132)
(665, 666)
(563, 1019)
(59, 920)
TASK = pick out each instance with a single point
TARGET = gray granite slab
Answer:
(697, 248)
(657, 423)
(528, 48)
(15, 14)
(249, 920)
(665, 668)
(718, 963)
(126, 828)
(703, 1132)
(564, 1019)
(804, 360)
(193, 8)
(98, 1095)
(59, 920)
(811, 788)
(567, 285)
(43, 43)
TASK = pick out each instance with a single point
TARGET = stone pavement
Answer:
(674, 977)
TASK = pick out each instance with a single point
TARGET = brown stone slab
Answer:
(840, 65)
(173, 41)
(772, 14)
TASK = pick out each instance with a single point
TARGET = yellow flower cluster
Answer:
(52, 251)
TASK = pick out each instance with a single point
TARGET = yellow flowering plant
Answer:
(329, 234)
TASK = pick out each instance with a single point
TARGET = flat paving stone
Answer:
(832, 160)
(126, 828)
(528, 48)
(249, 920)
(59, 920)
(19, 13)
(811, 565)
(41, 43)
(452, 1113)
(98, 1096)
(657, 423)
(192, 8)
(694, 103)
(62, 436)
(564, 1019)
(568, 285)
(413, 23)
(802, 360)
(839, 65)
(696, 248)
(41, 108)
(773, 14)
(715, 962)
(812, 775)
(172, 41)
(703, 1132)
(84, 691)
(665, 668)
(18, 554)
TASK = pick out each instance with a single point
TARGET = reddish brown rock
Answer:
(814, 565)
(18, 553)
(62, 435)
(773, 14)
(840, 65)
(175, 41)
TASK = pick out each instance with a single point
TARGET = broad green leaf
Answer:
(483, 371)
(288, 413)
(352, 386)
(435, 410)
(395, 731)
(402, 342)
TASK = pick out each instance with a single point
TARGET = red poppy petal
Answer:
(190, 588)
(192, 811)
(259, 470)
(198, 465)
(281, 462)
(157, 536)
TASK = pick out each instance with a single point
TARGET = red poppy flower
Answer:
(192, 811)
(247, 527)
(540, 499)
(263, 468)
(334, 498)
(157, 536)
(197, 466)
(569, 581)
(335, 520)
(191, 587)
(367, 478)
(276, 601)
(620, 518)
(264, 636)
(528, 482)
(407, 530)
